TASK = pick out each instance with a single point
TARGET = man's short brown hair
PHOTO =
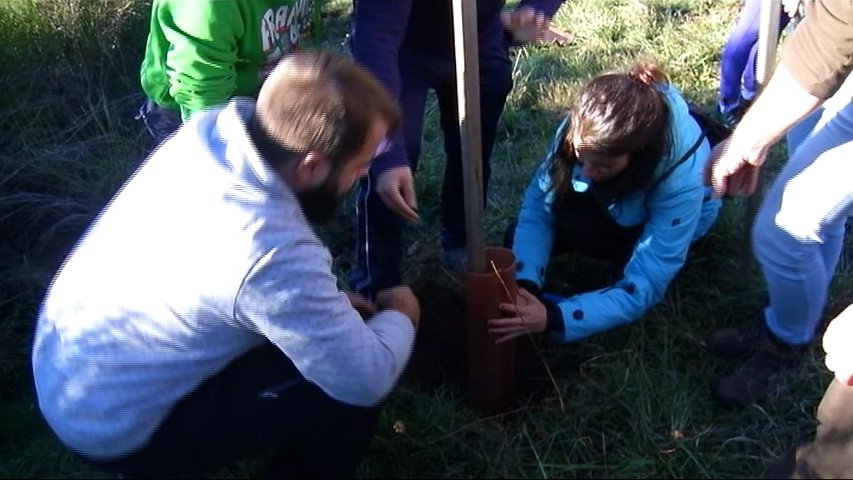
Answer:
(318, 101)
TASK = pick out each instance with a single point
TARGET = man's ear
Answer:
(312, 170)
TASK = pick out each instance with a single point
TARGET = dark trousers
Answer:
(160, 122)
(259, 404)
(379, 230)
(737, 60)
(830, 453)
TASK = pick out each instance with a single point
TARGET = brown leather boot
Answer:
(749, 382)
(735, 342)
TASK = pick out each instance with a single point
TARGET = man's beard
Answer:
(320, 204)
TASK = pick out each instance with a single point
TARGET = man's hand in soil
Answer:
(401, 299)
(361, 305)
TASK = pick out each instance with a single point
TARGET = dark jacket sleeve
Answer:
(819, 53)
(379, 27)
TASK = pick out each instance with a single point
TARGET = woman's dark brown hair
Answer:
(618, 114)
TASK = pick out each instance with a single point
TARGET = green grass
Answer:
(629, 403)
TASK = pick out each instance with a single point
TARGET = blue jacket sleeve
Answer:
(674, 211)
(534, 234)
(379, 28)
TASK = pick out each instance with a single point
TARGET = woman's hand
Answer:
(396, 188)
(733, 172)
(527, 315)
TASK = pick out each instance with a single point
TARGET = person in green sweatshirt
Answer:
(201, 53)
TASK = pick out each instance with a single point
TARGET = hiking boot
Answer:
(749, 382)
(727, 112)
(735, 342)
(731, 119)
(731, 112)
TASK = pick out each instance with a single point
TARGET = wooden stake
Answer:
(768, 40)
(765, 62)
(468, 99)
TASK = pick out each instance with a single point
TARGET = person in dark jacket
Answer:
(408, 45)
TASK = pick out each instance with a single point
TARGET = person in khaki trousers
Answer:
(799, 230)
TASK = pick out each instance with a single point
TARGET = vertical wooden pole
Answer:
(468, 99)
(765, 62)
(490, 368)
(768, 39)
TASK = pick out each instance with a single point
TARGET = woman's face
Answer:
(596, 165)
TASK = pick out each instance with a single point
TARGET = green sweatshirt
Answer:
(201, 53)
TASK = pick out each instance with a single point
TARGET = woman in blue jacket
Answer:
(622, 182)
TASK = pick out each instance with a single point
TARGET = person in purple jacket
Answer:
(408, 45)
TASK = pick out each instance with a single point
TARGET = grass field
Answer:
(633, 402)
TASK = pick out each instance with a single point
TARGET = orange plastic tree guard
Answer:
(491, 369)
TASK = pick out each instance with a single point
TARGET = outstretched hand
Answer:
(525, 24)
(527, 315)
(396, 188)
(733, 171)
